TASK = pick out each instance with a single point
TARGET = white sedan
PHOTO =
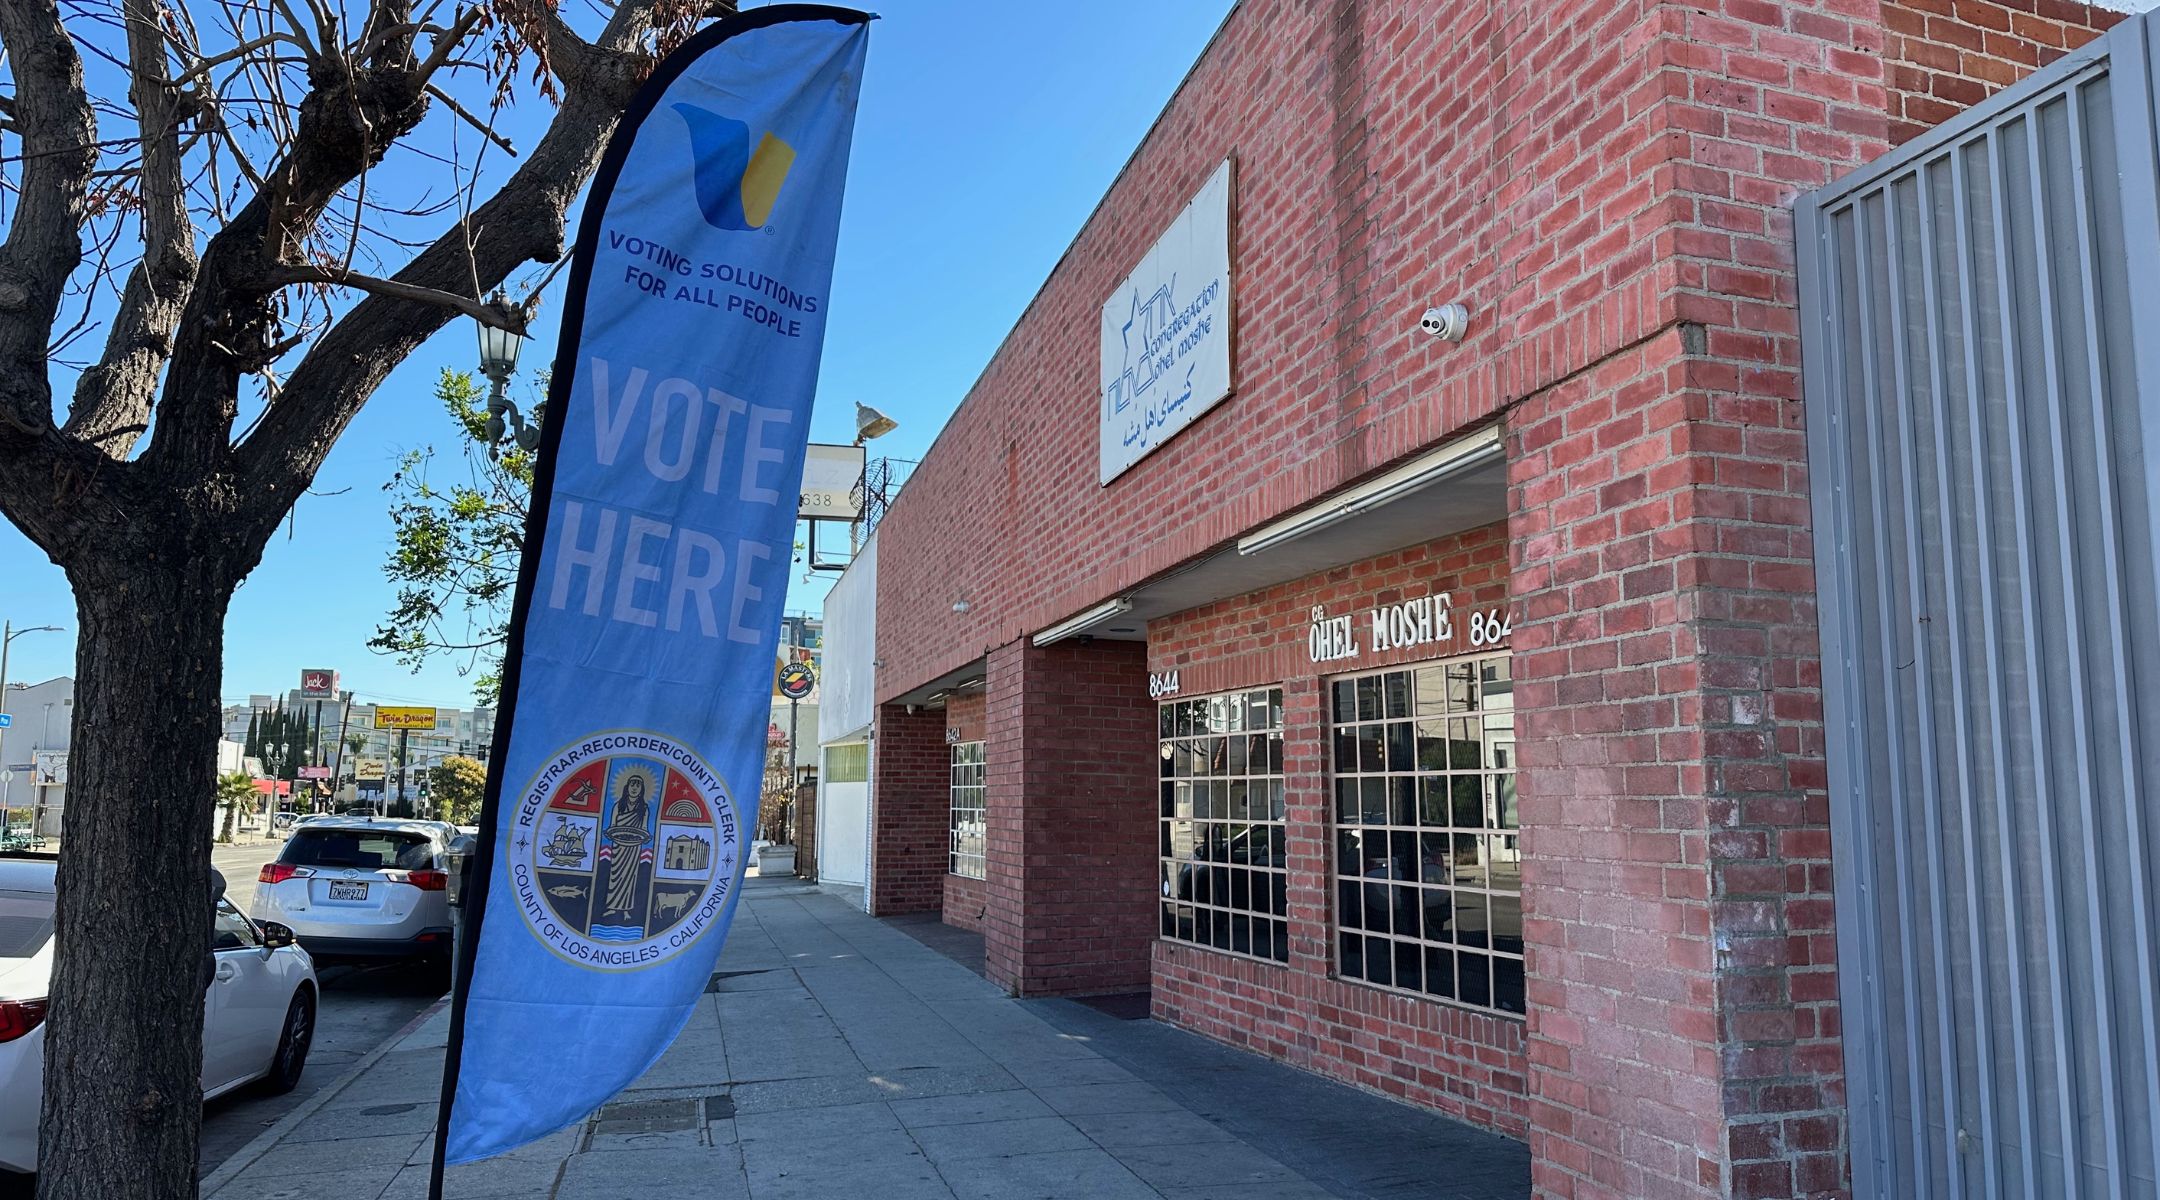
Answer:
(258, 1013)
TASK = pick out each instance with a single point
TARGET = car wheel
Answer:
(293, 1043)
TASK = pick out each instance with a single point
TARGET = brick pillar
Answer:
(909, 775)
(1677, 895)
(1071, 896)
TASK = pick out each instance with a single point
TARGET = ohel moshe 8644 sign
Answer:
(625, 850)
(1428, 620)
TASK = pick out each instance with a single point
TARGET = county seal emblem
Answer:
(623, 850)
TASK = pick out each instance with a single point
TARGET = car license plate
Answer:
(348, 891)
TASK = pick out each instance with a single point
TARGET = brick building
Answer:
(1439, 715)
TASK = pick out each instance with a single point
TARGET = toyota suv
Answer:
(352, 887)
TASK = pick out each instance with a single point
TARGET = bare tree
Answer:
(226, 222)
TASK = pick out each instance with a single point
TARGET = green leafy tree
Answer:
(456, 783)
(253, 746)
(458, 530)
(233, 791)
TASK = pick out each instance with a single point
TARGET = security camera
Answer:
(1447, 322)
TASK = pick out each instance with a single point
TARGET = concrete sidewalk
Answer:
(839, 1057)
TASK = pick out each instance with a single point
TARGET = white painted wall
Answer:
(847, 697)
(843, 833)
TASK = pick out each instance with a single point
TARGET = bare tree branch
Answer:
(485, 313)
(44, 244)
(522, 222)
(114, 395)
(486, 129)
(447, 44)
(202, 67)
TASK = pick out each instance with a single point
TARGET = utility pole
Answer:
(404, 737)
(794, 769)
(337, 761)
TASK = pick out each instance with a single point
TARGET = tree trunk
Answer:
(123, 1039)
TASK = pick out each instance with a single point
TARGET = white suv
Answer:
(354, 887)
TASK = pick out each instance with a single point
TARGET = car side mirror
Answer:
(276, 936)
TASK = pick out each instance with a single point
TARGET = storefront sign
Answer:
(1412, 623)
(1428, 620)
(1161, 684)
(831, 483)
(1331, 639)
(318, 683)
(393, 717)
(1166, 333)
(795, 680)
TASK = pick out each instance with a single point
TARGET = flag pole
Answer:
(480, 866)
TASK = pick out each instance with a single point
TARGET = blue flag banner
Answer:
(637, 684)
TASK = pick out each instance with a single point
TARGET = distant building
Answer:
(458, 731)
(33, 752)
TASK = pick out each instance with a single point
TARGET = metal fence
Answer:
(1981, 322)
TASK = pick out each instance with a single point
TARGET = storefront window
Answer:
(847, 762)
(1428, 861)
(1222, 823)
(968, 824)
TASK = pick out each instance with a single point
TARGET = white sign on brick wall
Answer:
(1166, 332)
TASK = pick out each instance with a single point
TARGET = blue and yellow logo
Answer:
(736, 187)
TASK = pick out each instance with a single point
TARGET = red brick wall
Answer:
(1610, 192)
(1517, 155)
(1462, 1062)
(964, 902)
(964, 722)
(1071, 764)
(910, 773)
(1947, 55)
(1261, 637)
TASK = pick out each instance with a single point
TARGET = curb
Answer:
(246, 1156)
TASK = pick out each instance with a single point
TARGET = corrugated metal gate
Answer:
(1981, 317)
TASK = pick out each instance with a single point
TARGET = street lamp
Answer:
(7, 637)
(870, 423)
(499, 346)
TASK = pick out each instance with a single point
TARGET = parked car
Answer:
(354, 887)
(258, 1005)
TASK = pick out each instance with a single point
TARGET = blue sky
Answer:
(987, 133)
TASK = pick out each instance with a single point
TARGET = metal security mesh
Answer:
(1981, 317)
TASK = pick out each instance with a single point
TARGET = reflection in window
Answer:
(968, 826)
(1428, 860)
(232, 931)
(1223, 863)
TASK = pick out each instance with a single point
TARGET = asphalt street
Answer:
(361, 1007)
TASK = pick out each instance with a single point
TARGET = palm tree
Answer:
(233, 790)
